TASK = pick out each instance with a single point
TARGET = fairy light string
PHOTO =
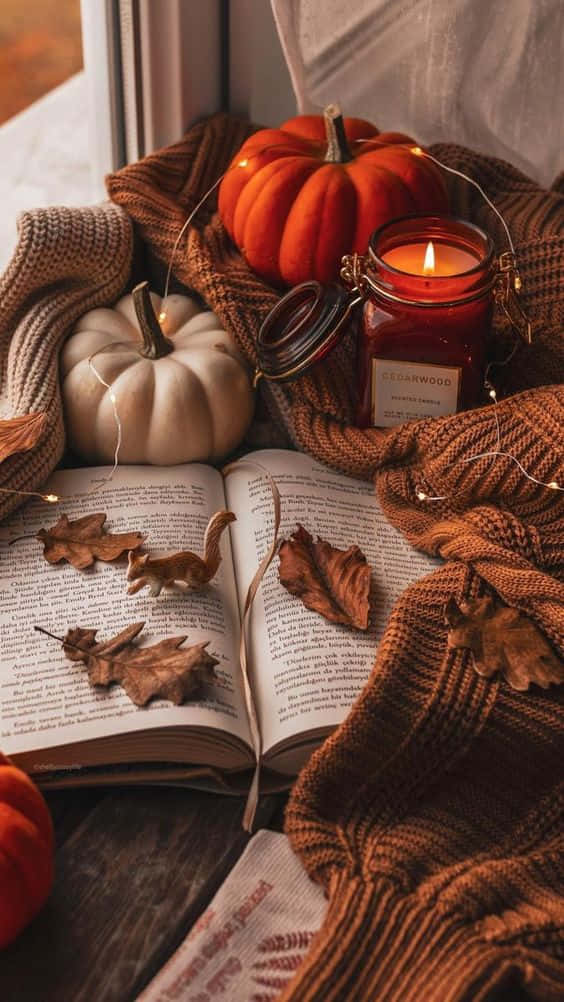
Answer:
(240, 163)
(49, 498)
(494, 454)
(186, 224)
(52, 498)
(452, 170)
(119, 428)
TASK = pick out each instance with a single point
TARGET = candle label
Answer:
(406, 391)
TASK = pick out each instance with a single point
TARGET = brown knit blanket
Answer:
(433, 816)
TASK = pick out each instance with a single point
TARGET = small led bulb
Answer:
(493, 394)
(162, 316)
(553, 485)
(51, 498)
(421, 496)
(243, 163)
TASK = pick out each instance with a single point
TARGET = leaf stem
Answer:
(52, 635)
(77, 647)
(65, 643)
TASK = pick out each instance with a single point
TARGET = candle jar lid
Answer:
(431, 290)
(303, 327)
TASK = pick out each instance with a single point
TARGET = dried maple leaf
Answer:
(335, 583)
(85, 540)
(505, 640)
(143, 672)
(20, 434)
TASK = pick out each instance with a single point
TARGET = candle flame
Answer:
(429, 261)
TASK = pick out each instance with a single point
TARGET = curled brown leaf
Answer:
(505, 640)
(20, 434)
(332, 582)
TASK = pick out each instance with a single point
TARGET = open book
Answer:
(305, 673)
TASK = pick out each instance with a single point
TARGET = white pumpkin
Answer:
(182, 391)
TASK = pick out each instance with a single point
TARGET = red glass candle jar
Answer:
(425, 292)
(428, 284)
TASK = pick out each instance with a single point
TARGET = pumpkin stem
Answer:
(155, 344)
(338, 150)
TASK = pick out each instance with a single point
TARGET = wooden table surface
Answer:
(135, 869)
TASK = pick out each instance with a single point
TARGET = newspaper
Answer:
(253, 936)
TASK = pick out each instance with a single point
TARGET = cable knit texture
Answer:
(67, 261)
(433, 816)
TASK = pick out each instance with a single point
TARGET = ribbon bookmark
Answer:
(253, 795)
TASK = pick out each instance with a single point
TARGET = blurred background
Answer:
(40, 47)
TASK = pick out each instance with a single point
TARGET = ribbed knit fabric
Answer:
(434, 819)
(67, 261)
(433, 816)
(381, 944)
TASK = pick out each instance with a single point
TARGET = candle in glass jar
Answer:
(431, 258)
(426, 286)
(426, 320)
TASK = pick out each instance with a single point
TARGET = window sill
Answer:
(45, 158)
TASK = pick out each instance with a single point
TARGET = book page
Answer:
(308, 672)
(45, 699)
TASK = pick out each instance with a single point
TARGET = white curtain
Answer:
(485, 73)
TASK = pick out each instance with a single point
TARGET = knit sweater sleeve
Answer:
(67, 261)
(443, 793)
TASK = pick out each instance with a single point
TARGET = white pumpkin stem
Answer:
(155, 344)
(338, 150)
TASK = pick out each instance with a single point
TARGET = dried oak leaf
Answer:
(505, 640)
(85, 540)
(143, 672)
(335, 583)
(20, 434)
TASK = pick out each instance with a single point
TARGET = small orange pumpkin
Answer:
(26, 851)
(303, 195)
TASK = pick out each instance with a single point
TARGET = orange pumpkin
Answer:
(26, 851)
(301, 196)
